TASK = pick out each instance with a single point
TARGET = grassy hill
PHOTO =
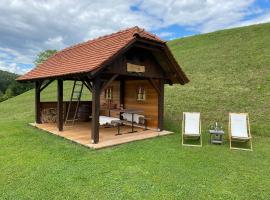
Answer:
(229, 71)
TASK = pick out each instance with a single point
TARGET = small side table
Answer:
(216, 136)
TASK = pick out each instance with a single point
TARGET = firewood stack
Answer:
(48, 115)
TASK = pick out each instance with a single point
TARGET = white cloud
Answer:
(165, 34)
(13, 68)
(261, 19)
(199, 15)
(13, 61)
(30, 26)
(55, 43)
(11, 54)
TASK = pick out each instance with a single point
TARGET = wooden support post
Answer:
(60, 104)
(161, 104)
(37, 102)
(122, 92)
(95, 110)
(122, 96)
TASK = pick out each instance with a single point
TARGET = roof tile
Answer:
(86, 56)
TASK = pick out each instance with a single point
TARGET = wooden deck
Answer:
(81, 132)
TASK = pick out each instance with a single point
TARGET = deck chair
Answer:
(191, 128)
(239, 130)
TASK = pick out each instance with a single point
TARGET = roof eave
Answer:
(180, 75)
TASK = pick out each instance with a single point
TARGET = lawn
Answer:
(229, 71)
(36, 165)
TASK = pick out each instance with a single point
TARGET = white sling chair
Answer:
(191, 128)
(239, 129)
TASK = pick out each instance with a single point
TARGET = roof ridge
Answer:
(141, 30)
(153, 35)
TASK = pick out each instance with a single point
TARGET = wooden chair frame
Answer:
(249, 139)
(190, 136)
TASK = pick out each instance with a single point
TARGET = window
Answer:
(108, 93)
(141, 94)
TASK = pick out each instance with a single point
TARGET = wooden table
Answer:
(132, 112)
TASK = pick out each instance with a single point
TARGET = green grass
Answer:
(36, 165)
(229, 71)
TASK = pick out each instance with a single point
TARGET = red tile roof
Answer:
(87, 56)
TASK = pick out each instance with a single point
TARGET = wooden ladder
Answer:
(76, 95)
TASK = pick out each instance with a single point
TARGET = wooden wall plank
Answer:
(114, 103)
(140, 57)
(149, 106)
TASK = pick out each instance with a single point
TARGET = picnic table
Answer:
(132, 112)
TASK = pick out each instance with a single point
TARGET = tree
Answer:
(9, 93)
(44, 55)
(11, 87)
(1, 95)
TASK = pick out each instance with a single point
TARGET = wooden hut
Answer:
(123, 70)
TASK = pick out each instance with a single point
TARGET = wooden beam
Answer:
(106, 84)
(161, 105)
(60, 104)
(148, 47)
(95, 110)
(37, 102)
(88, 85)
(156, 87)
(152, 43)
(46, 84)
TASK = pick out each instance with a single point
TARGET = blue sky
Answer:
(31, 26)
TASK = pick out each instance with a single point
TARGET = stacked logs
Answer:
(48, 115)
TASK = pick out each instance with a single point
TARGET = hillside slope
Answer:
(229, 71)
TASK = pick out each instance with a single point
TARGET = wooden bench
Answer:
(118, 123)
